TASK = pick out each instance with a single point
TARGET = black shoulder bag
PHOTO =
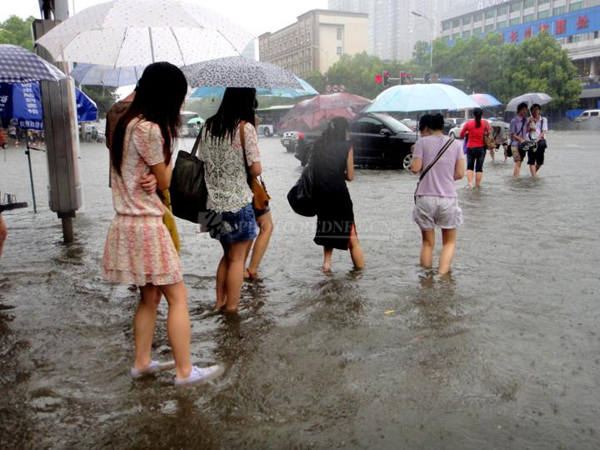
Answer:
(432, 163)
(188, 185)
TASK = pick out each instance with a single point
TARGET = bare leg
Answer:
(427, 248)
(3, 234)
(447, 255)
(479, 178)
(533, 170)
(493, 154)
(537, 169)
(178, 327)
(327, 254)
(470, 177)
(144, 323)
(517, 171)
(265, 224)
(222, 281)
(356, 253)
(236, 256)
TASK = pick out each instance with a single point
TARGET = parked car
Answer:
(587, 114)
(410, 123)
(379, 140)
(452, 122)
(455, 132)
(290, 140)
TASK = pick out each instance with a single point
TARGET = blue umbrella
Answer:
(307, 89)
(95, 75)
(421, 97)
(22, 101)
(18, 65)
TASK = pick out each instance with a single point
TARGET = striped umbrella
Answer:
(18, 65)
(486, 100)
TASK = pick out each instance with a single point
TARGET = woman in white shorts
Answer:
(436, 199)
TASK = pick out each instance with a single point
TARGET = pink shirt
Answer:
(143, 147)
(439, 181)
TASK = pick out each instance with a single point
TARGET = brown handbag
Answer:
(260, 202)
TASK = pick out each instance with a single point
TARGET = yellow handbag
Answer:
(169, 219)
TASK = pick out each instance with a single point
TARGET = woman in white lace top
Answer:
(227, 184)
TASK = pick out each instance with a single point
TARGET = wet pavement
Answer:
(505, 353)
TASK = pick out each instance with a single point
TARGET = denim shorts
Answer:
(238, 226)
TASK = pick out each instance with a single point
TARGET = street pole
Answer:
(432, 32)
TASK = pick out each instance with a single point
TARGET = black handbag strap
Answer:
(197, 142)
(437, 158)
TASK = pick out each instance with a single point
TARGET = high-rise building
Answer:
(393, 28)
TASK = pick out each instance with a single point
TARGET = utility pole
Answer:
(60, 127)
(431, 26)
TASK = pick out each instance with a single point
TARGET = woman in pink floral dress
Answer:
(139, 249)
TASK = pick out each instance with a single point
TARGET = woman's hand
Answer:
(149, 184)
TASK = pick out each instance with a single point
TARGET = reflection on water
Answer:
(501, 353)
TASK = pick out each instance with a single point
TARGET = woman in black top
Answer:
(332, 163)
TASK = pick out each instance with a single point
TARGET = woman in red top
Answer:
(475, 130)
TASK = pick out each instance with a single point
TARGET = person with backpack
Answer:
(518, 137)
(476, 130)
(536, 131)
(440, 161)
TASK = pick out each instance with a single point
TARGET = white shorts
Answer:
(442, 212)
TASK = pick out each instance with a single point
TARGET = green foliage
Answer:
(104, 97)
(487, 65)
(17, 31)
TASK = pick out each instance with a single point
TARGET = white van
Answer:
(587, 114)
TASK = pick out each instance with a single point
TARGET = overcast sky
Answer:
(258, 16)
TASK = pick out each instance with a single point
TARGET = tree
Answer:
(17, 31)
(104, 97)
(318, 81)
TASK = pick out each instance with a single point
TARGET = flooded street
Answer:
(503, 354)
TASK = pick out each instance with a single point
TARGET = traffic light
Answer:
(385, 78)
(378, 79)
(403, 78)
(426, 77)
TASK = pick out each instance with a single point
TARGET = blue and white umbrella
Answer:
(95, 75)
(18, 65)
(23, 102)
(421, 97)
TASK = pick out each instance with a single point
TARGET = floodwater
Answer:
(505, 353)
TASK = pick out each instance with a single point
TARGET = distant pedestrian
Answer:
(436, 200)
(332, 164)
(537, 129)
(13, 134)
(139, 249)
(3, 234)
(518, 137)
(227, 164)
(475, 130)
(500, 139)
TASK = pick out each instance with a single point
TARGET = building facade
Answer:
(316, 41)
(574, 23)
(393, 29)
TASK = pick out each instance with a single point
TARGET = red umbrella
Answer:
(315, 113)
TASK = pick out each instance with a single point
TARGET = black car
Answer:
(379, 140)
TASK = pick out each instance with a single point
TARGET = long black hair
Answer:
(477, 112)
(159, 96)
(238, 104)
(336, 132)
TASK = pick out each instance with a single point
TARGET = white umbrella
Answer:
(94, 75)
(237, 71)
(421, 97)
(530, 99)
(125, 33)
